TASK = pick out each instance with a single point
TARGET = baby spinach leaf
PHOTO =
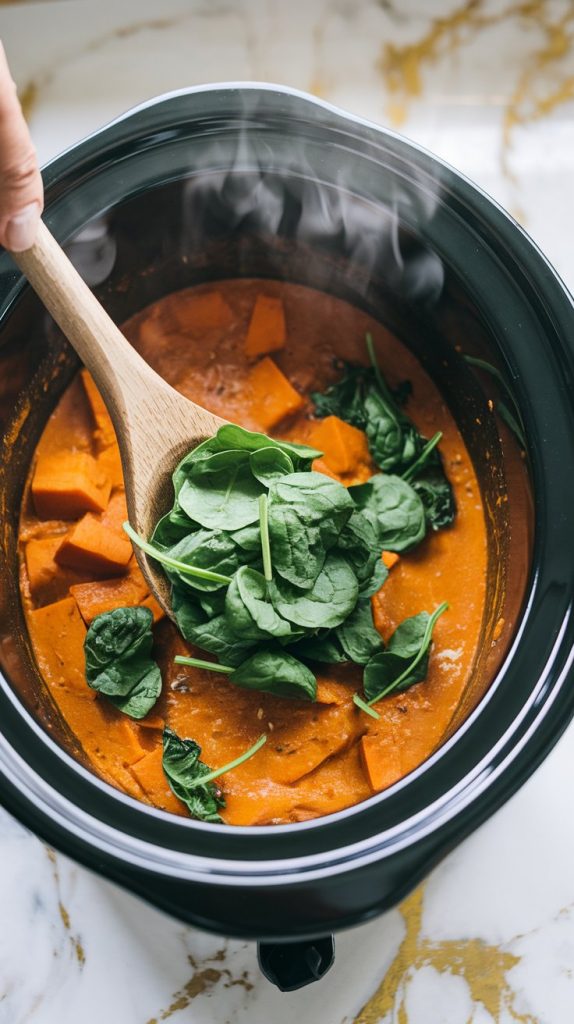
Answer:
(276, 672)
(171, 528)
(358, 636)
(323, 647)
(326, 604)
(185, 772)
(210, 634)
(398, 510)
(174, 564)
(220, 491)
(232, 436)
(248, 610)
(269, 464)
(405, 661)
(212, 550)
(307, 512)
(118, 660)
(248, 540)
(359, 542)
(191, 780)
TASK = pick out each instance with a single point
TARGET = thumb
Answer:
(21, 190)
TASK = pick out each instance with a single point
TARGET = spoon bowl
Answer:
(155, 426)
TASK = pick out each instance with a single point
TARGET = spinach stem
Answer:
(417, 658)
(429, 446)
(173, 563)
(211, 666)
(265, 545)
(364, 706)
(202, 780)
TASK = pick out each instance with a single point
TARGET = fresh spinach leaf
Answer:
(248, 610)
(174, 564)
(220, 491)
(326, 604)
(269, 464)
(270, 671)
(210, 634)
(359, 542)
(212, 550)
(323, 646)
(307, 512)
(117, 649)
(232, 436)
(405, 660)
(171, 528)
(397, 507)
(358, 636)
(192, 781)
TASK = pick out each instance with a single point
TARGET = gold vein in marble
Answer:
(202, 981)
(75, 941)
(482, 966)
(402, 66)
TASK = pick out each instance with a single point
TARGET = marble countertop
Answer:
(489, 937)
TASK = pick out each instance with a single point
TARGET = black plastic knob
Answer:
(292, 965)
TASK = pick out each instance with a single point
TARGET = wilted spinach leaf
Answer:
(185, 772)
(118, 660)
(276, 672)
(436, 494)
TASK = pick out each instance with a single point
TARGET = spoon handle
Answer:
(118, 370)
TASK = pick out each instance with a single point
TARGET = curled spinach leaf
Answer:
(269, 464)
(326, 604)
(117, 649)
(307, 512)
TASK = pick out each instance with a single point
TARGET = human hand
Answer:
(21, 189)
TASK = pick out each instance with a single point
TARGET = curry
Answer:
(257, 353)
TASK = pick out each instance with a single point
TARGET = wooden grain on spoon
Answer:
(154, 424)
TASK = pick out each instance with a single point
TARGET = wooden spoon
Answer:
(155, 425)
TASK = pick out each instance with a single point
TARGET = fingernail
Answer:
(21, 228)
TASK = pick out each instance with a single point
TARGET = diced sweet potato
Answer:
(331, 692)
(149, 773)
(266, 331)
(94, 546)
(110, 463)
(381, 761)
(58, 634)
(48, 581)
(202, 312)
(67, 485)
(344, 447)
(116, 514)
(322, 466)
(390, 558)
(270, 395)
(104, 595)
(104, 433)
(152, 721)
(154, 607)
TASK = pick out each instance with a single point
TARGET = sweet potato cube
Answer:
(105, 434)
(270, 395)
(60, 633)
(154, 607)
(48, 581)
(149, 773)
(92, 545)
(266, 331)
(344, 447)
(322, 466)
(381, 760)
(202, 312)
(104, 595)
(390, 558)
(110, 463)
(66, 486)
(116, 514)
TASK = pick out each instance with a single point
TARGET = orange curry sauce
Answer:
(251, 351)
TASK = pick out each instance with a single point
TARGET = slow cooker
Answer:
(261, 181)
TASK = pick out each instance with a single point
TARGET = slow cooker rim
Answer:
(554, 283)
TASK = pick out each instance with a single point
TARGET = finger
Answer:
(21, 190)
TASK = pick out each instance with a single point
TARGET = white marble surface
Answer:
(490, 937)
